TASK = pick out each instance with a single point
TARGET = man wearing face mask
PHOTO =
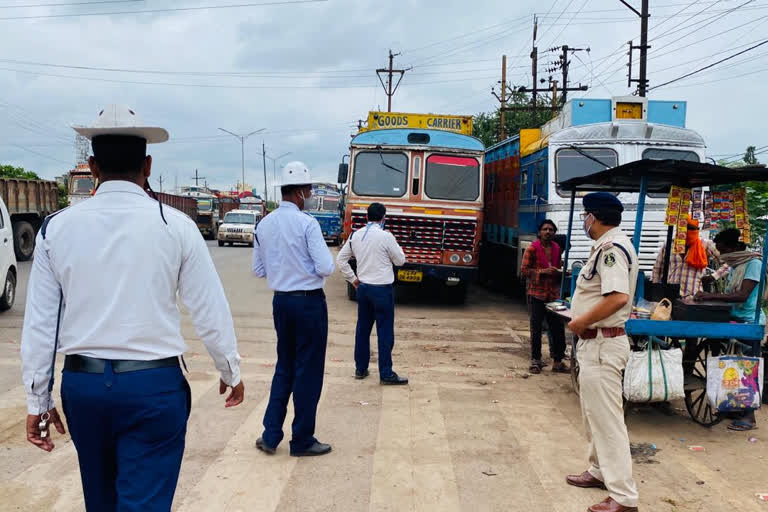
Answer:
(600, 307)
(290, 252)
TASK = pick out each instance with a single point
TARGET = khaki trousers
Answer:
(601, 362)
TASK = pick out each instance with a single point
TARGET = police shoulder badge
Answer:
(609, 260)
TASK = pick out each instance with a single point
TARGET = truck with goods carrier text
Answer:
(427, 170)
(29, 202)
(522, 174)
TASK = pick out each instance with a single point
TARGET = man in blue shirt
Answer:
(290, 252)
(741, 290)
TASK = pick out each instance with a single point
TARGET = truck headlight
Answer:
(467, 258)
(455, 258)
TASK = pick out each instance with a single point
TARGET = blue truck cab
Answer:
(325, 206)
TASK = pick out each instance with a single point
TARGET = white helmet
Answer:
(295, 173)
(122, 120)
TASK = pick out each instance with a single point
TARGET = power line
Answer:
(170, 9)
(27, 6)
(41, 154)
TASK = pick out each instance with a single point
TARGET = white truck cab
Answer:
(8, 268)
(238, 227)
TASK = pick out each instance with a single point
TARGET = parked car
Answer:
(8, 272)
(237, 227)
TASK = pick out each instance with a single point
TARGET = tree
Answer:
(749, 156)
(757, 197)
(9, 171)
(486, 125)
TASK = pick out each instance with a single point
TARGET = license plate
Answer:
(234, 237)
(409, 276)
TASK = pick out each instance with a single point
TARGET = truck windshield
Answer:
(82, 185)
(312, 203)
(330, 204)
(456, 178)
(570, 163)
(240, 218)
(380, 174)
(204, 205)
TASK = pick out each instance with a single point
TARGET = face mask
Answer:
(586, 227)
(306, 199)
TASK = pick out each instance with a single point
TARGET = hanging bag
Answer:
(654, 375)
(734, 383)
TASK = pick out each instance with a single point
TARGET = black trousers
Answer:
(538, 312)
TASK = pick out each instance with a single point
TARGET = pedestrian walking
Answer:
(601, 305)
(103, 292)
(290, 252)
(542, 267)
(375, 252)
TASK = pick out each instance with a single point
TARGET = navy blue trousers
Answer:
(301, 323)
(128, 429)
(375, 303)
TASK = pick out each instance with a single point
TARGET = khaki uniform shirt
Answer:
(607, 270)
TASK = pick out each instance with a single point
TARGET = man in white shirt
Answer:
(375, 252)
(103, 292)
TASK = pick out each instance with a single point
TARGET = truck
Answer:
(29, 202)
(427, 170)
(325, 207)
(253, 203)
(82, 184)
(522, 174)
(207, 215)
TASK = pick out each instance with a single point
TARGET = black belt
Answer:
(303, 293)
(84, 364)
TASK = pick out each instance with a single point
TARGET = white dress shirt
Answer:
(290, 251)
(119, 267)
(375, 251)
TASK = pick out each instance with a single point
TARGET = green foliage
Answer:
(61, 195)
(486, 125)
(757, 197)
(9, 171)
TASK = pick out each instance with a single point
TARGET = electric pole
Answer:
(197, 178)
(160, 180)
(389, 90)
(502, 99)
(264, 161)
(534, 64)
(563, 64)
(642, 80)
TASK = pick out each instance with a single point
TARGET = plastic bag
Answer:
(734, 383)
(654, 375)
(663, 310)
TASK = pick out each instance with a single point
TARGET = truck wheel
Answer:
(221, 244)
(9, 292)
(23, 240)
(351, 292)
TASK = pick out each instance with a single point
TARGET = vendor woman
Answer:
(741, 290)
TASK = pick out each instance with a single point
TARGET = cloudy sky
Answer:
(305, 71)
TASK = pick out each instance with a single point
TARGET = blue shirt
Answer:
(289, 250)
(745, 311)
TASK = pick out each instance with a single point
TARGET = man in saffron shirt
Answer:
(541, 268)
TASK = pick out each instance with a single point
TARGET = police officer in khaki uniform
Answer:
(601, 305)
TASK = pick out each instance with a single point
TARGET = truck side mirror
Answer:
(343, 173)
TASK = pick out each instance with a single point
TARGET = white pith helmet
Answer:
(295, 173)
(122, 120)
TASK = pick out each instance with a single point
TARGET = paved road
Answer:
(472, 432)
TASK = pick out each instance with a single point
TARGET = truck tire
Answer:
(23, 240)
(9, 292)
(351, 292)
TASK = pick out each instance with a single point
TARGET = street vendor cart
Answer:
(644, 177)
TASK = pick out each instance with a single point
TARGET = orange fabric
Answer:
(697, 256)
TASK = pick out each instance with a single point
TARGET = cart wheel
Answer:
(696, 389)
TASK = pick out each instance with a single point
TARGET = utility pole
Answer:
(534, 64)
(388, 89)
(502, 99)
(242, 138)
(197, 178)
(642, 80)
(160, 180)
(563, 64)
(264, 161)
(553, 88)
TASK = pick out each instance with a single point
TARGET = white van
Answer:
(238, 227)
(8, 269)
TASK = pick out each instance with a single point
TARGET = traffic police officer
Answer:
(601, 305)
(289, 250)
(103, 292)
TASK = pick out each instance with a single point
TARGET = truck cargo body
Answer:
(28, 202)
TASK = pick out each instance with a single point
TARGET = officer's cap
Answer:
(602, 201)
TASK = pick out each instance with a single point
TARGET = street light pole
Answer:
(274, 165)
(242, 138)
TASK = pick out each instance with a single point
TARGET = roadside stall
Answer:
(704, 326)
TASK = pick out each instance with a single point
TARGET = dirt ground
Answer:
(473, 431)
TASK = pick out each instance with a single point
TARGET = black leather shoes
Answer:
(394, 380)
(313, 451)
(261, 445)
(361, 374)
